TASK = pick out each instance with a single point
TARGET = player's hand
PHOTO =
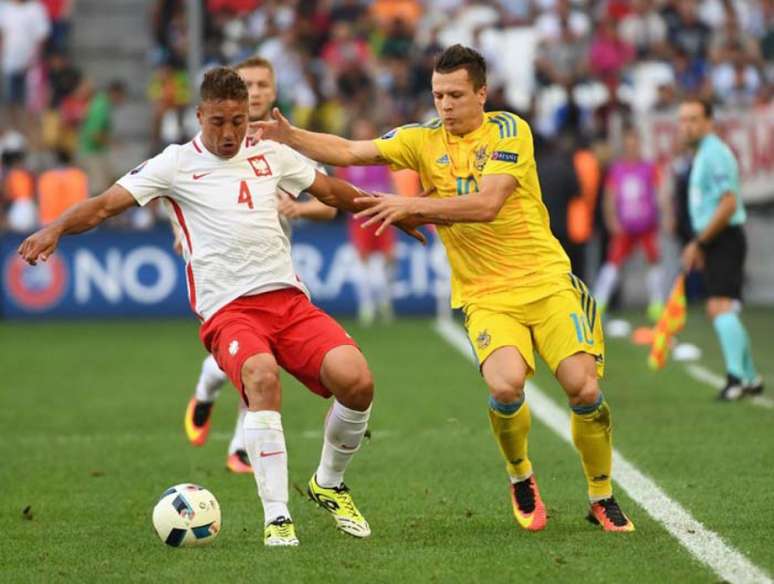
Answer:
(693, 257)
(385, 210)
(40, 245)
(288, 208)
(277, 129)
(411, 228)
(398, 214)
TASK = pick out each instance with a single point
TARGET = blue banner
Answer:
(104, 273)
(110, 273)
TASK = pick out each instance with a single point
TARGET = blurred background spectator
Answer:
(559, 182)
(375, 253)
(60, 187)
(18, 184)
(24, 28)
(95, 136)
(59, 15)
(633, 215)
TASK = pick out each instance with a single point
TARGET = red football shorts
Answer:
(284, 323)
(623, 245)
(366, 242)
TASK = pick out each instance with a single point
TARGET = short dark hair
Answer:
(459, 57)
(705, 104)
(222, 83)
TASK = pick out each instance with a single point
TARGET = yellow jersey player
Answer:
(510, 276)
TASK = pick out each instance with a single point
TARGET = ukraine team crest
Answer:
(483, 339)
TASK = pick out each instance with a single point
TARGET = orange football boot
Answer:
(528, 507)
(608, 514)
(238, 462)
(197, 421)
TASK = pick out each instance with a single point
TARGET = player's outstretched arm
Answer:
(481, 207)
(324, 148)
(338, 193)
(77, 219)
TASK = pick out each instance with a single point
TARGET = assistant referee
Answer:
(719, 246)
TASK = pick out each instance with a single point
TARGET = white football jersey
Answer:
(227, 211)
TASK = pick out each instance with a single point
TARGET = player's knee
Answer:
(584, 392)
(577, 375)
(360, 392)
(714, 309)
(507, 389)
(355, 388)
(260, 378)
(717, 306)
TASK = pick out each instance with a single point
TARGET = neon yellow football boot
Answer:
(338, 502)
(280, 532)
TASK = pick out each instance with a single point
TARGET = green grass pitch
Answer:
(91, 434)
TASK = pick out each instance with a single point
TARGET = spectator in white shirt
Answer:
(24, 27)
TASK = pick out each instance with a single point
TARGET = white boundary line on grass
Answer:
(705, 545)
(704, 375)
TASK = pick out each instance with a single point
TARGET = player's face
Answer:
(459, 106)
(693, 124)
(223, 124)
(261, 91)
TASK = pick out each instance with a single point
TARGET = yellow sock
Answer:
(510, 431)
(592, 435)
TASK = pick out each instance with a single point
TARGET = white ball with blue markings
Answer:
(187, 515)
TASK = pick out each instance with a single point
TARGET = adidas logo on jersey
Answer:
(443, 160)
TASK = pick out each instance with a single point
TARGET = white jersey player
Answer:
(258, 75)
(256, 314)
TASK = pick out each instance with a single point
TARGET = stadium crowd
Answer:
(54, 122)
(339, 58)
(578, 70)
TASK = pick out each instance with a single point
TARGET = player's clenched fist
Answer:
(39, 245)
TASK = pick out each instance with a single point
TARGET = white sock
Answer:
(211, 380)
(238, 439)
(608, 276)
(655, 282)
(344, 430)
(265, 443)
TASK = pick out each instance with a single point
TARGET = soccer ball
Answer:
(187, 515)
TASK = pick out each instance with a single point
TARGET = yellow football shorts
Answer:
(558, 325)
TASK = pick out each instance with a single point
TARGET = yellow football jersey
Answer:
(513, 260)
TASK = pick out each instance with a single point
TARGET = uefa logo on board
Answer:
(35, 288)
